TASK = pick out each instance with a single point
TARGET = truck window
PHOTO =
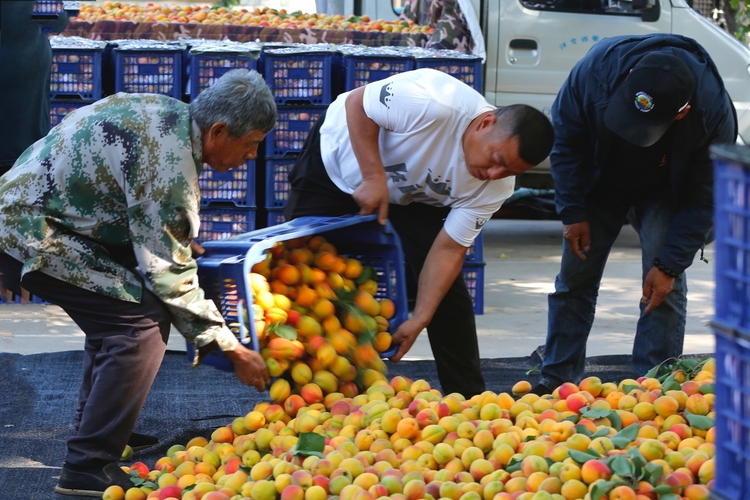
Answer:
(611, 7)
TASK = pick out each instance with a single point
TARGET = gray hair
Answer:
(241, 99)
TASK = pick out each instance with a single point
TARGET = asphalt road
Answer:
(522, 259)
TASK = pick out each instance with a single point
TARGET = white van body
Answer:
(533, 72)
(531, 48)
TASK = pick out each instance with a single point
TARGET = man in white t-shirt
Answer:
(429, 153)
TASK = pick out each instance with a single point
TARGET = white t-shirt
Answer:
(423, 115)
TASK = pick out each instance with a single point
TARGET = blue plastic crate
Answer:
(225, 266)
(153, 71)
(732, 232)
(76, 72)
(732, 389)
(299, 77)
(275, 217)
(475, 253)
(206, 68)
(292, 128)
(360, 70)
(223, 222)
(277, 181)
(234, 186)
(468, 69)
(474, 277)
(47, 9)
(58, 109)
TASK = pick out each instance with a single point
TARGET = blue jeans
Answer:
(659, 335)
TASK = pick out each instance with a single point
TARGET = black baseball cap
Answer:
(652, 95)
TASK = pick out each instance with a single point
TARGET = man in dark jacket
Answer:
(633, 124)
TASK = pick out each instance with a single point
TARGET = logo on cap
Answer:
(643, 102)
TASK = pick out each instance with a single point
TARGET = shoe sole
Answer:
(82, 493)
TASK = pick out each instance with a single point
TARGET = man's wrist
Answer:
(664, 269)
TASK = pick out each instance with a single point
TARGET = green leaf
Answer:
(628, 388)
(621, 466)
(150, 484)
(654, 472)
(663, 488)
(285, 331)
(582, 429)
(594, 413)
(600, 433)
(615, 420)
(670, 384)
(699, 421)
(600, 489)
(368, 273)
(706, 389)
(630, 433)
(637, 457)
(653, 372)
(346, 296)
(533, 370)
(245, 468)
(513, 467)
(582, 456)
(688, 365)
(572, 418)
(529, 438)
(310, 443)
(366, 337)
(189, 488)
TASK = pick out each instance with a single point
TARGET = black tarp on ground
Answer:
(38, 394)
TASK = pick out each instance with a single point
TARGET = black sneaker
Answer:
(92, 482)
(540, 390)
(139, 441)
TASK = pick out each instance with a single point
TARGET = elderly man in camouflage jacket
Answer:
(98, 218)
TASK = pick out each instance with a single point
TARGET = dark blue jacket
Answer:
(582, 141)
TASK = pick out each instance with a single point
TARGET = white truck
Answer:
(531, 45)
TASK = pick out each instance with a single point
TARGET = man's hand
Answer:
(578, 237)
(405, 337)
(656, 287)
(372, 196)
(249, 367)
(197, 249)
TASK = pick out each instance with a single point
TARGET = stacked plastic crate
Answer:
(465, 67)
(75, 76)
(228, 199)
(731, 323)
(149, 66)
(301, 79)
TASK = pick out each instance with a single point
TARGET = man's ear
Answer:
(487, 121)
(218, 131)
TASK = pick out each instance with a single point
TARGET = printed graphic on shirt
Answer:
(480, 223)
(386, 93)
(433, 192)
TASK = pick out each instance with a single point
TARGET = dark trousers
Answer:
(124, 347)
(452, 331)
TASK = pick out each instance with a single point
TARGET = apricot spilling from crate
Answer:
(402, 439)
(317, 320)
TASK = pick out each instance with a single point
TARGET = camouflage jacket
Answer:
(112, 188)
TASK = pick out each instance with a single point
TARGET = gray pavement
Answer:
(522, 259)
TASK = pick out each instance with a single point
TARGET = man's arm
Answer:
(372, 194)
(441, 268)
(688, 230)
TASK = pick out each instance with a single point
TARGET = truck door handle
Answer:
(523, 44)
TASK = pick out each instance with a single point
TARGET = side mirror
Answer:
(639, 5)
